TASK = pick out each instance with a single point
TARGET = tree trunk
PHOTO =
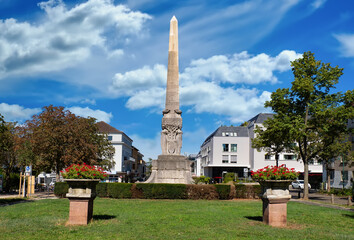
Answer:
(328, 188)
(277, 159)
(306, 180)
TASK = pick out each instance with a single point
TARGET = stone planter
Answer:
(81, 194)
(275, 196)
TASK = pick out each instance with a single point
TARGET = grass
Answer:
(171, 219)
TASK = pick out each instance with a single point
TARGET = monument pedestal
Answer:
(170, 169)
(81, 210)
(275, 211)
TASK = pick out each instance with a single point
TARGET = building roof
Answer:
(261, 117)
(106, 128)
(240, 132)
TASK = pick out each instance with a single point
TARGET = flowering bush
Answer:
(84, 171)
(275, 173)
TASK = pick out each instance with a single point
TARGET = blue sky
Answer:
(107, 59)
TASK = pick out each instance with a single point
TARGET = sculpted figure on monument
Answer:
(171, 134)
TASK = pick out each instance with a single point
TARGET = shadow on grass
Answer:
(10, 201)
(349, 215)
(103, 217)
(255, 218)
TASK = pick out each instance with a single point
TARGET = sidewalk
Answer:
(322, 200)
(35, 196)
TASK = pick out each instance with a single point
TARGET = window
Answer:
(225, 147)
(233, 158)
(289, 157)
(331, 174)
(344, 176)
(110, 138)
(225, 158)
(227, 134)
(223, 134)
(233, 147)
(267, 157)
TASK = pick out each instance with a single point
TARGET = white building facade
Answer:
(229, 149)
(123, 146)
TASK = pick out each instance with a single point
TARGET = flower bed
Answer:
(275, 173)
(83, 171)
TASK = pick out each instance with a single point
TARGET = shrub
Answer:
(201, 180)
(119, 190)
(223, 191)
(101, 189)
(247, 191)
(275, 173)
(229, 177)
(206, 192)
(163, 190)
(61, 189)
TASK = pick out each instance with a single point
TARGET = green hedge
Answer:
(168, 191)
(223, 191)
(163, 190)
(119, 190)
(101, 189)
(61, 189)
(247, 191)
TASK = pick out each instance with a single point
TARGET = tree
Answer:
(7, 151)
(59, 138)
(314, 111)
(274, 138)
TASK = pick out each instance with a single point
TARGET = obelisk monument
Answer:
(171, 166)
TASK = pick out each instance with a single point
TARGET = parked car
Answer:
(299, 184)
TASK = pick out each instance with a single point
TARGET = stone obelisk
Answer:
(171, 167)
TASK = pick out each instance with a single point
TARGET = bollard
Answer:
(332, 198)
(350, 201)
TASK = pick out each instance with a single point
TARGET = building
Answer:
(127, 158)
(341, 173)
(229, 149)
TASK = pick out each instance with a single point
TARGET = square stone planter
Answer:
(275, 196)
(81, 195)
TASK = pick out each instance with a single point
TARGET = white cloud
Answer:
(208, 85)
(347, 44)
(88, 112)
(129, 83)
(318, 3)
(13, 113)
(64, 36)
(239, 68)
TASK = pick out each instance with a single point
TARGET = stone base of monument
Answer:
(81, 210)
(170, 169)
(275, 211)
(275, 196)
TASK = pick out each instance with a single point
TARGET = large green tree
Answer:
(314, 110)
(59, 138)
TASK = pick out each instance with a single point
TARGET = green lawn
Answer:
(171, 219)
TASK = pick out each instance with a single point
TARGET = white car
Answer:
(299, 184)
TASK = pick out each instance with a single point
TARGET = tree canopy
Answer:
(315, 114)
(59, 138)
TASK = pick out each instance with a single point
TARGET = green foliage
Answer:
(61, 189)
(163, 190)
(202, 191)
(59, 138)
(223, 191)
(201, 180)
(247, 191)
(340, 191)
(314, 115)
(119, 190)
(101, 189)
(229, 177)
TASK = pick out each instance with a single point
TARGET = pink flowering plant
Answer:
(83, 171)
(275, 173)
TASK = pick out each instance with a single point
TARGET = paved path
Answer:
(322, 200)
(35, 196)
